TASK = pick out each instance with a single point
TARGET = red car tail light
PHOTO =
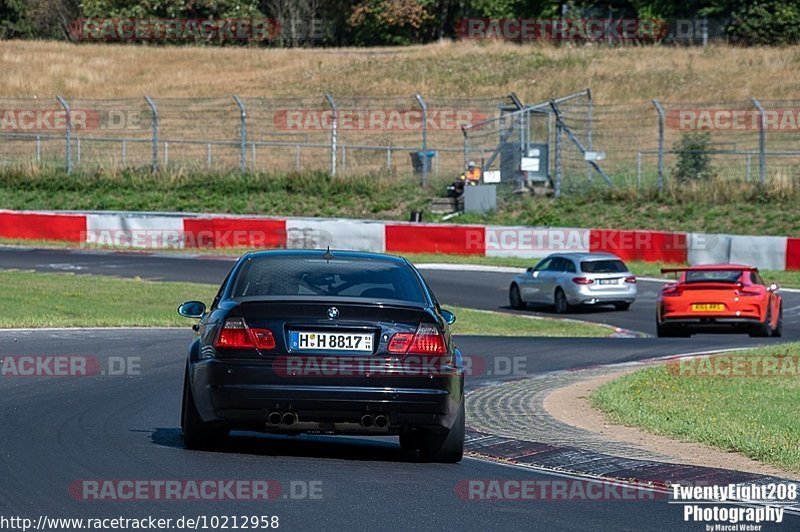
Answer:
(400, 342)
(582, 280)
(264, 339)
(428, 340)
(747, 293)
(631, 279)
(236, 335)
(671, 290)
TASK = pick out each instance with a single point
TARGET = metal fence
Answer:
(640, 145)
(341, 135)
(569, 143)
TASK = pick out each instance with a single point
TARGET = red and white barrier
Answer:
(534, 242)
(205, 231)
(42, 226)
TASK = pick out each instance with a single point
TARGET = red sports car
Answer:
(717, 298)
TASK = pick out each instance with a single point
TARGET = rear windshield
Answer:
(293, 276)
(603, 266)
(717, 276)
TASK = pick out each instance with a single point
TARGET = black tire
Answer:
(446, 447)
(561, 305)
(198, 435)
(777, 332)
(622, 306)
(515, 299)
(763, 329)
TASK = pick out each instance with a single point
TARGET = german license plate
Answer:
(707, 307)
(325, 341)
(607, 281)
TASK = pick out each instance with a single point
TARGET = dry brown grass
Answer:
(621, 75)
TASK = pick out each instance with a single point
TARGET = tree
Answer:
(766, 22)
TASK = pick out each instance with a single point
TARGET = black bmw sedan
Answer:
(325, 342)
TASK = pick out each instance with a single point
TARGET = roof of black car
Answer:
(320, 253)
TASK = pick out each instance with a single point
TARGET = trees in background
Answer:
(399, 22)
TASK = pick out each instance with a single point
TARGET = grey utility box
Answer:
(480, 199)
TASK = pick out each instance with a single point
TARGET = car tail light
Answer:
(235, 334)
(400, 343)
(671, 290)
(747, 293)
(428, 340)
(582, 280)
(631, 279)
(264, 339)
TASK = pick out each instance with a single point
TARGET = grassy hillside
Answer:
(535, 72)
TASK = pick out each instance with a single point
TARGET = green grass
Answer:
(292, 194)
(754, 415)
(737, 208)
(488, 323)
(35, 299)
(65, 300)
(716, 207)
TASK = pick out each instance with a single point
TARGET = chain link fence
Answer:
(341, 135)
(574, 144)
(568, 144)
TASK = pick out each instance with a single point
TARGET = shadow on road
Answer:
(384, 449)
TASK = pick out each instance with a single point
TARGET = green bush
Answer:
(694, 159)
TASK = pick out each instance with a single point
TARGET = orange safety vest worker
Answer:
(472, 176)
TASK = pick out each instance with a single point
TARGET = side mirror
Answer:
(530, 269)
(192, 309)
(774, 287)
(448, 316)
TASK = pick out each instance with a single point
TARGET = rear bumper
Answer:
(242, 394)
(711, 323)
(582, 295)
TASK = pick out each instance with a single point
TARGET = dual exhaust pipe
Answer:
(380, 421)
(286, 418)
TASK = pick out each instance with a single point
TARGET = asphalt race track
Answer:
(58, 432)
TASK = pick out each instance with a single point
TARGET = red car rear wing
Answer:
(710, 268)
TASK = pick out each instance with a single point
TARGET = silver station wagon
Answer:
(569, 280)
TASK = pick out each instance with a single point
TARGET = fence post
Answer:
(154, 123)
(68, 132)
(557, 160)
(242, 133)
(589, 133)
(334, 127)
(466, 144)
(762, 141)
(424, 108)
(660, 111)
(638, 170)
